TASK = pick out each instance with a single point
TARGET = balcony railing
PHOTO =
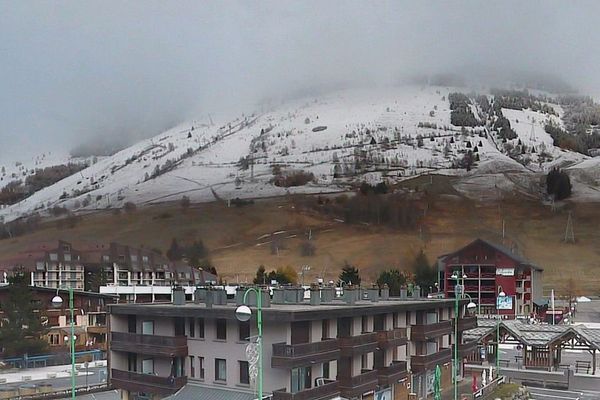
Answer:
(394, 337)
(466, 323)
(423, 332)
(327, 391)
(392, 374)
(421, 363)
(359, 344)
(295, 355)
(354, 386)
(466, 349)
(166, 346)
(136, 382)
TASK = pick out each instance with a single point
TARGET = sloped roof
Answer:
(507, 252)
(197, 392)
(538, 335)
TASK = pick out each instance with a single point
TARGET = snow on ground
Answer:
(398, 132)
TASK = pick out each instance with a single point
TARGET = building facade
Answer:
(90, 317)
(117, 267)
(489, 269)
(323, 348)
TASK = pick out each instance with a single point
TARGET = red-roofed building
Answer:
(488, 269)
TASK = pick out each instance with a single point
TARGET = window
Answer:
(300, 379)
(201, 367)
(222, 329)
(364, 361)
(192, 367)
(192, 330)
(325, 372)
(365, 324)
(105, 258)
(325, 329)
(134, 258)
(147, 327)
(121, 257)
(67, 256)
(220, 370)
(148, 366)
(53, 256)
(54, 339)
(201, 328)
(145, 259)
(244, 329)
(244, 373)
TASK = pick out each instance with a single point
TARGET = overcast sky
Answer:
(74, 70)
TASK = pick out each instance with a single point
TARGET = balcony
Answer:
(466, 349)
(392, 374)
(423, 333)
(162, 346)
(466, 323)
(327, 391)
(392, 338)
(422, 363)
(355, 386)
(360, 344)
(135, 382)
(296, 355)
(97, 329)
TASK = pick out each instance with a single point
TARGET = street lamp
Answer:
(459, 293)
(243, 314)
(57, 302)
(501, 294)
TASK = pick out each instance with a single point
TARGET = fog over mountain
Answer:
(107, 72)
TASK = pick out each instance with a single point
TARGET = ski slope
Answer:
(398, 132)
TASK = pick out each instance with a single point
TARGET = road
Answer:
(96, 376)
(551, 394)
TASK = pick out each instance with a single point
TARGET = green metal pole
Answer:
(72, 339)
(259, 327)
(455, 344)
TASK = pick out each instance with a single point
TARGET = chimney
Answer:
(403, 293)
(210, 298)
(373, 294)
(278, 295)
(385, 292)
(350, 295)
(178, 296)
(327, 294)
(315, 296)
(251, 297)
(416, 293)
(200, 295)
(293, 295)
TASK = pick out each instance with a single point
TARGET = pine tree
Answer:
(425, 274)
(350, 275)
(21, 331)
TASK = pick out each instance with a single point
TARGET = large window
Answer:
(325, 329)
(222, 329)
(192, 327)
(220, 370)
(148, 328)
(201, 367)
(244, 329)
(244, 373)
(148, 366)
(300, 379)
(192, 367)
(201, 328)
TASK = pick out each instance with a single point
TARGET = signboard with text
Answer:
(504, 302)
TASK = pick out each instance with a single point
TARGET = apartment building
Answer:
(126, 271)
(89, 317)
(489, 269)
(355, 347)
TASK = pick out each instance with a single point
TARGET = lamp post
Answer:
(57, 302)
(243, 314)
(459, 293)
(501, 294)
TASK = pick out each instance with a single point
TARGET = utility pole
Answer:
(569, 232)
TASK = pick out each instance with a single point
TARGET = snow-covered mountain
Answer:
(347, 136)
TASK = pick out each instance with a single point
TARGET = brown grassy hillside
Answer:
(238, 245)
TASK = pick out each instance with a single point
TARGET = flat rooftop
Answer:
(283, 312)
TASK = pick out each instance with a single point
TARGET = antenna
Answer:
(569, 232)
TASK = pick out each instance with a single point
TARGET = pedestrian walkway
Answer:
(57, 371)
